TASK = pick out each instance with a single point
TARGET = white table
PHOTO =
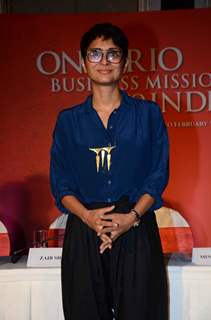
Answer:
(190, 291)
(29, 293)
(35, 294)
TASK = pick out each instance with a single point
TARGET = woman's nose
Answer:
(104, 59)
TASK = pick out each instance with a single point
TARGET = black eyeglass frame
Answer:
(104, 53)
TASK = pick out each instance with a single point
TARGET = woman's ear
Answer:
(83, 65)
(125, 66)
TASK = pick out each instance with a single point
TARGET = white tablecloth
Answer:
(35, 294)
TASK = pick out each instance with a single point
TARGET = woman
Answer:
(109, 167)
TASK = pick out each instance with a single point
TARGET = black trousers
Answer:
(127, 282)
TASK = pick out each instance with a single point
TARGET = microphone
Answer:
(19, 253)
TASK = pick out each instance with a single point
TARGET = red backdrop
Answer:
(41, 74)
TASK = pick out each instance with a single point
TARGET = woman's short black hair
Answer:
(106, 31)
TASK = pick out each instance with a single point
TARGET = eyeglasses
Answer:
(112, 55)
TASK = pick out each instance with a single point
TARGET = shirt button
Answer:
(109, 181)
(111, 127)
(109, 199)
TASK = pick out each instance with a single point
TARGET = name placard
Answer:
(201, 256)
(44, 257)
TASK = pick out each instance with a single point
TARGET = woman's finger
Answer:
(105, 238)
(106, 230)
(103, 211)
(105, 246)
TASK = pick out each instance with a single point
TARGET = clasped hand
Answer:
(109, 226)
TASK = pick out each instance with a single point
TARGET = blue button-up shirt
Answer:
(98, 164)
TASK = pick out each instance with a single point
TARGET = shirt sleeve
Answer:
(60, 179)
(157, 179)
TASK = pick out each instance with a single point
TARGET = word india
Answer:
(155, 75)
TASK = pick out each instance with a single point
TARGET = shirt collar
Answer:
(125, 103)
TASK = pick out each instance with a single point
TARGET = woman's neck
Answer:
(106, 99)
